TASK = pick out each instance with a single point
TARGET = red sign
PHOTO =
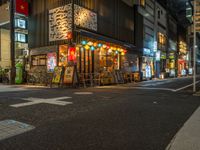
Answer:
(21, 7)
(72, 54)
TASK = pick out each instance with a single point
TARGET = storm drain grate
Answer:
(10, 128)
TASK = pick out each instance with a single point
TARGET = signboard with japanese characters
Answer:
(197, 16)
(60, 23)
(85, 18)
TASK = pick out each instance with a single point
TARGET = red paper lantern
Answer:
(72, 54)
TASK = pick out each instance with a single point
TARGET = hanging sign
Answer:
(21, 7)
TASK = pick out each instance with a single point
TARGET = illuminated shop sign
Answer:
(182, 47)
(20, 37)
(20, 23)
(85, 18)
(158, 56)
(163, 55)
(60, 21)
(171, 56)
(146, 51)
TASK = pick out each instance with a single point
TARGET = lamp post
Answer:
(12, 41)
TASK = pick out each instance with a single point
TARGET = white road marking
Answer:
(83, 93)
(34, 101)
(185, 87)
(146, 88)
(188, 136)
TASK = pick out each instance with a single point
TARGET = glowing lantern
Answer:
(104, 46)
(99, 45)
(116, 52)
(87, 47)
(95, 44)
(110, 51)
(72, 54)
(114, 48)
(69, 35)
(90, 43)
(92, 48)
(84, 42)
(122, 53)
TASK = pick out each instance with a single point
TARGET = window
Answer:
(158, 14)
(39, 60)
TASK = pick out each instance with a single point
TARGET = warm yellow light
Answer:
(90, 43)
(87, 47)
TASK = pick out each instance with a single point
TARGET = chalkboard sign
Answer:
(70, 75)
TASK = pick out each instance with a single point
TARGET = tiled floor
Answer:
(10, 128)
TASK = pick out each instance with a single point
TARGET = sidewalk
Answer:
(15, 88)
(189, 135)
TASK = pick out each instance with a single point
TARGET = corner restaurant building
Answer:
(97, 35)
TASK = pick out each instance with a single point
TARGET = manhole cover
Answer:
(10, 128)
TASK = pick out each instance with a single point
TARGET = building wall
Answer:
(148, 14)
(115, 19)
(4, 48)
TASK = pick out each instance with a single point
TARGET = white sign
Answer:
(20, 23)
(60, 23)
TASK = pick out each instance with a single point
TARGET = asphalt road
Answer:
(108, 118)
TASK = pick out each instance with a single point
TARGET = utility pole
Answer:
(12, 41)
(194, 49)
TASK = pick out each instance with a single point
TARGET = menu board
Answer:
(51, 61)
(57, 75)
(69, 74)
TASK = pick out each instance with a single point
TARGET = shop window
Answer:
(39, 60)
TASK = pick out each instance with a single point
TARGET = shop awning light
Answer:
(87, 47)
(99, 45)
(90, 43)
(84, 42)
(92, 48)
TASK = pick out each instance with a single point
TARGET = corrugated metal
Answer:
(115, 20)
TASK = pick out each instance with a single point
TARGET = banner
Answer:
(21, 7)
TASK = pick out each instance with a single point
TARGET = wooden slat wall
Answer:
(115, 19)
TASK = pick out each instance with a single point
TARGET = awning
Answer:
(96, 36)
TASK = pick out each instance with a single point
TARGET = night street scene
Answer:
(99, 74)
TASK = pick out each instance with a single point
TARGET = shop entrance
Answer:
(86, 61)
